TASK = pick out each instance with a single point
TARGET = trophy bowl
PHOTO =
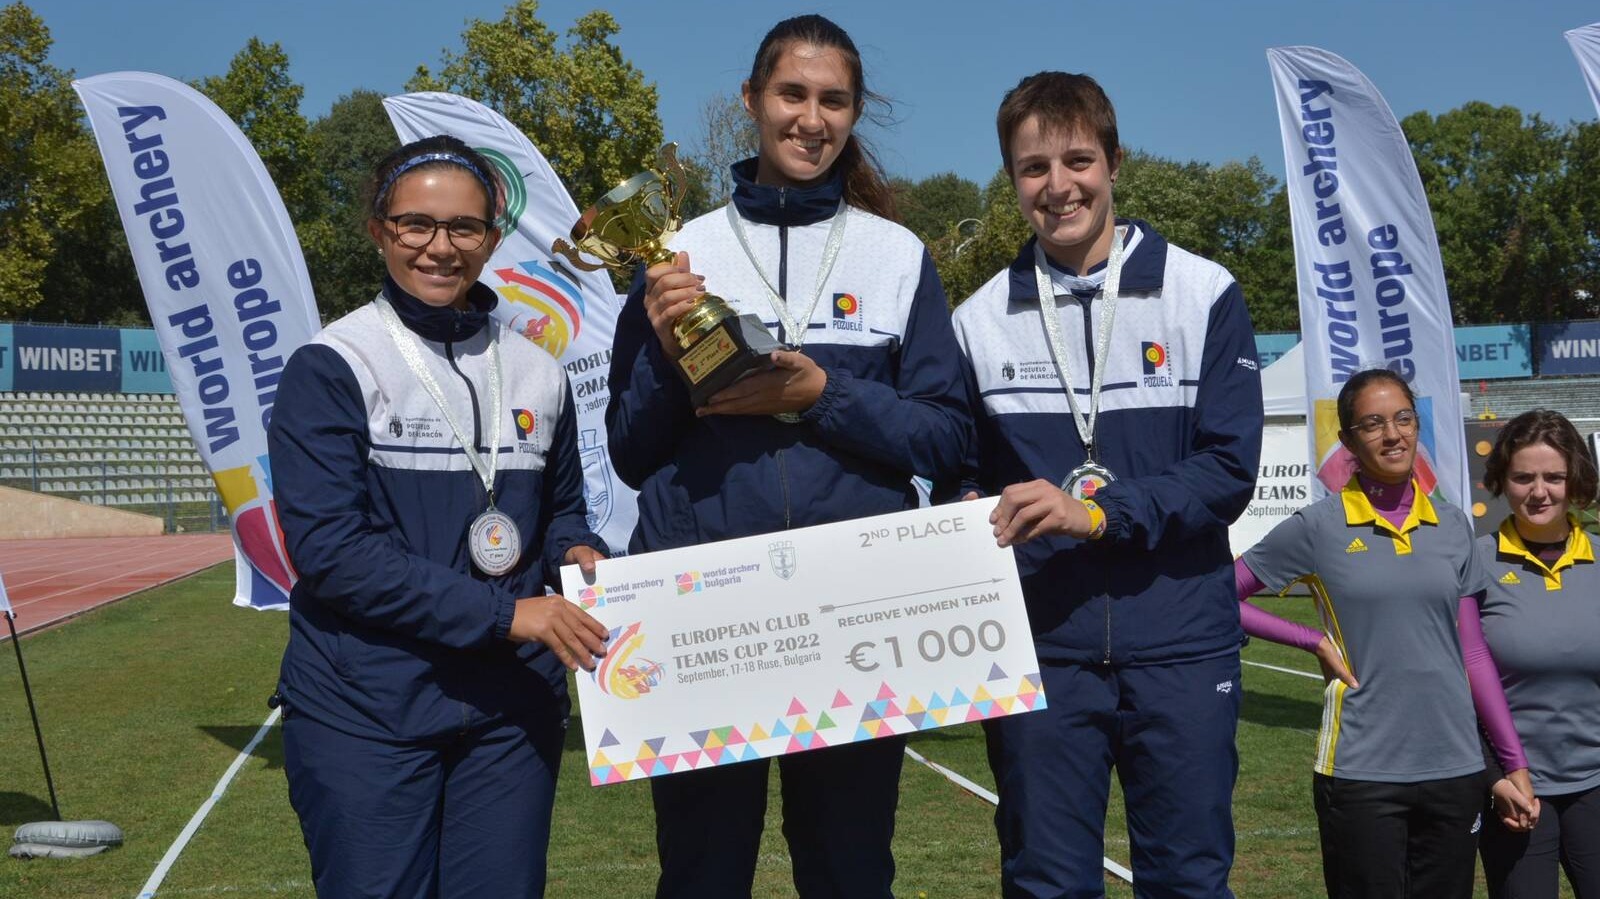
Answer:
(630, 225)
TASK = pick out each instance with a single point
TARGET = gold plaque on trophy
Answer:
(631, 225)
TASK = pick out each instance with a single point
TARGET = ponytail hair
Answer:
(865, 185)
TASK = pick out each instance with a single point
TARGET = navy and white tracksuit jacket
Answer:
(1179, 426)
(895, 405)
(394, 635)
(1139, 630)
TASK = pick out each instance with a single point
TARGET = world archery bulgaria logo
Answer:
(690, 582)
(619, 673)
(511, 182)
(547, 307)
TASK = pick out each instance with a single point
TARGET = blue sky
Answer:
(1189, 78)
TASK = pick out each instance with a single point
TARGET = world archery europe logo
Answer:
(254, 513)
(619, 674)
(846, 312)
(1157, 365)
(690, 582)
(547, 307)
(592, 598)
(525, 421)
(516, 192)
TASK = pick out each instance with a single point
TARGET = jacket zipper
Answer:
(783, 294)
(783, 281)
(1088, 349)
(472, 396)
(783, 482)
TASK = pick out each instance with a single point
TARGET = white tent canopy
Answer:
(1283, 385)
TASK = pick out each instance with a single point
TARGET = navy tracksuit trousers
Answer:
(462, 816)
(838, 818)
(1168, 730)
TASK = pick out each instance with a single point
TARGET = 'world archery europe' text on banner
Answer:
(1372, 290)
(1585, 43)
(226, 285)
(571, 313)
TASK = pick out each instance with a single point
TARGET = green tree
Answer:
(1511, 232)
(965, 263)
(727, 136)
(1266, 273)
(1581, 194)
(346, 144)
(587, 109)
(933, 207)
(261, 98)
(51, 181)
(1234, 214)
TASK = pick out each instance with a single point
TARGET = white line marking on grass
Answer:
(178, 845)
(250, 889)
(1285, 670)
(992, 799)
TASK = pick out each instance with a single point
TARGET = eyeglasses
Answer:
(416, 230)
(1374, 426)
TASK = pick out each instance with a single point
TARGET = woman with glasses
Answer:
(428, 485)
(1398, 783)
(1541, 618)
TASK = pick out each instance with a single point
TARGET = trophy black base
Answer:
(734, 348)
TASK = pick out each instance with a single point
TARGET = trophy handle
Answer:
(562, 248)
(677, 179)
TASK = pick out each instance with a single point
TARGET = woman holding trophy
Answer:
(863, 391)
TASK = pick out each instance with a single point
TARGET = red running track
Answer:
(50, 581)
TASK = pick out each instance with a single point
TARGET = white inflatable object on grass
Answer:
(64, 839)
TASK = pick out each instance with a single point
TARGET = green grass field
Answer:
(147, 702)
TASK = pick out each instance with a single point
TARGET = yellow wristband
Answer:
(1097, 519)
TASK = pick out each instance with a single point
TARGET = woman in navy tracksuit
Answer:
(423, 688)
(874, 396)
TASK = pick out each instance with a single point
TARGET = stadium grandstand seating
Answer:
(114, 449)
(1576, 398)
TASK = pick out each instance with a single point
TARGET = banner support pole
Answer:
(38, 734)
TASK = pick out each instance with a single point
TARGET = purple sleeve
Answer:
(1488, 696)
(1258, 622)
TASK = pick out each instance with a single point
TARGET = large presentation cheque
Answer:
(803, 639)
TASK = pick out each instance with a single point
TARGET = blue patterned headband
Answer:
(420, 159)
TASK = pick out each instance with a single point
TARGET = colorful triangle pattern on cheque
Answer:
(816, 723)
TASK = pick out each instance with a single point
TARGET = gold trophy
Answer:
(631, 224)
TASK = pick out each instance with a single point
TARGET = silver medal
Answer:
(1086, 480)
(494, 542)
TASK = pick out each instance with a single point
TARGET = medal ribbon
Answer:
(796, 329)
(1058, 344)
(411, 351)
